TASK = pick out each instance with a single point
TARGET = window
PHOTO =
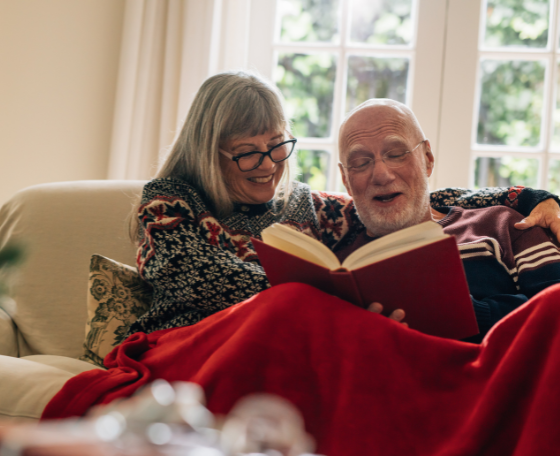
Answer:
(331, 55)
(482, 77)
(500, 118)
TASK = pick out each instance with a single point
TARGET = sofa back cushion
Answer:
(60, 226)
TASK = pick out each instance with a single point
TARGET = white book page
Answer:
(379, 256)
(402, 240)
(300, 245)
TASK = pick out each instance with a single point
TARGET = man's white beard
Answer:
(381, 221)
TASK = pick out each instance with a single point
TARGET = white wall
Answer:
(58, 73)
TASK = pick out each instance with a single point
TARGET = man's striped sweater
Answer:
(504, 266)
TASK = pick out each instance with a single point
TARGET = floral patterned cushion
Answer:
(117, 296)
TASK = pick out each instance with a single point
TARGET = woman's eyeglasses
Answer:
(252, 160)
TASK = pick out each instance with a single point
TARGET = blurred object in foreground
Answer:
(10, 256)
(262, 423)
(165, 419)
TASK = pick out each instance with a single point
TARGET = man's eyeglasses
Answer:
(252, 160)
(394, 158)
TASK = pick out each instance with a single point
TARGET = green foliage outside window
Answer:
(554, 176)
(309, 20)
(505, 172)
(312, 168)
(375, 77)
(381, 22)
(511, 102)
(517, 23)
(307, 83)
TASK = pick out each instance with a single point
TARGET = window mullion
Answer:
(339, 92)
(492, 153)
(475, 152)
(550, 100)
(511, 54)
(546, 123)
(313, 48)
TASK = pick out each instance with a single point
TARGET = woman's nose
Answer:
(267, 163)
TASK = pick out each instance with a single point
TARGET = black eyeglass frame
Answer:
(236, 158)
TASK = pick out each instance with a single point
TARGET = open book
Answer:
(417, 269)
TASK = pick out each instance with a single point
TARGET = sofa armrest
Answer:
(8, 335)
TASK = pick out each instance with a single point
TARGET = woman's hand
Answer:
(397, 315)
(545, 215)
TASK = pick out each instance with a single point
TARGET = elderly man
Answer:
(386, 161)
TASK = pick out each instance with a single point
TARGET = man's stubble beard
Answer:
(382, 221)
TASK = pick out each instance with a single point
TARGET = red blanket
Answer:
(365, 384)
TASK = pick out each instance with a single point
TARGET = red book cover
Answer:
(428, 283)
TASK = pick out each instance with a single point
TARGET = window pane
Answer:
(505, 172)
(339, 187)
(309, 20)
(381, 22)
(556, 116)
(313, 167)
(511, 102)
(307, 83)
(554, 176)
(375, 77)
(517, 23)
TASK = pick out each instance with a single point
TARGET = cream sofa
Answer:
(42, 326)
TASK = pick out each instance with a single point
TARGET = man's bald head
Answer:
(376, 115)
(385, 164)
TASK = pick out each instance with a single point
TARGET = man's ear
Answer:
(430, 159)
(344, 179)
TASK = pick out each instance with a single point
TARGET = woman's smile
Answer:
(261, 180)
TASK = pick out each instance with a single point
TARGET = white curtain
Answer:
(169, 47)
(165, 54)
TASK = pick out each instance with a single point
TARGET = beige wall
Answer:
(58, 73)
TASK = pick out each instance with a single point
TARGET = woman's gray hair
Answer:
(227, 106)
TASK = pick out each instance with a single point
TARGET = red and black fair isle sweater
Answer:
(199, 265)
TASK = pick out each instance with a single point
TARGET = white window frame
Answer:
(461, 95)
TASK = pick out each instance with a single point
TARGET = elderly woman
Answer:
(225, 180)
(364, 384)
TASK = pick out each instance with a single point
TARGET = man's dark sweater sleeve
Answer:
(491, 310)
(522, 199)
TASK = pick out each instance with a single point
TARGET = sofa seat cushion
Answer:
(28, 384)
(71, 365)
